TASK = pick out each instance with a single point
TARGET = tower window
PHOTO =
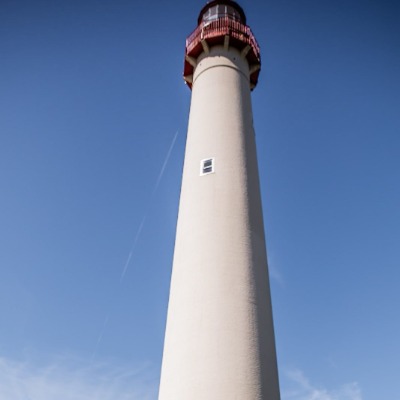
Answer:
(207, 166)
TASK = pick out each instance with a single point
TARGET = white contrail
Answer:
(165, 163)
(137, 236)
(105, 323)
(139, 231)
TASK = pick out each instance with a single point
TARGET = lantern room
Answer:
(217, 9)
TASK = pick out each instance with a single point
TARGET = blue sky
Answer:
(93, 117)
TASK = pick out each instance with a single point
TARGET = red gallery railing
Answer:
(214, 33)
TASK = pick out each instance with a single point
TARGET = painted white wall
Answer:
(219, 342)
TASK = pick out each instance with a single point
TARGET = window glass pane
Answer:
(214, 12)
(207, 166)
(231, 12)
(211, 14)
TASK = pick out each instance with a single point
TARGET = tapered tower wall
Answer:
(219, 342)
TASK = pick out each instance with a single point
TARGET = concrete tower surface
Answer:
(219, 342)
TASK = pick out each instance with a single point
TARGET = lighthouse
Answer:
(219, 340)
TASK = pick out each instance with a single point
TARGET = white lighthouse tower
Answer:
(219, 341)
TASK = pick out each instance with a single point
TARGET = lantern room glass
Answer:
(221, 11)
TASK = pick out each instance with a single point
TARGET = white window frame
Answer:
(202, 167)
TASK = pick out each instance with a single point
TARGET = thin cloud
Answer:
(68, 379)
(303, 389)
